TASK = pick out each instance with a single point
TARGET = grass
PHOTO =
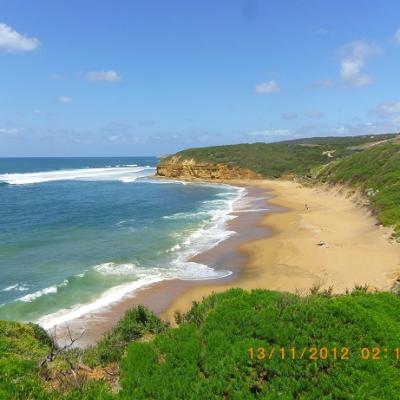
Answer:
(376, 172)
(207, 356)
(274, 160)
(370, 164)
(136, 323)
(23, 347)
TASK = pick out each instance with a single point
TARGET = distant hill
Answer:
(274, 160)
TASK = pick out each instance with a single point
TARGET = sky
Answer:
(120, 78)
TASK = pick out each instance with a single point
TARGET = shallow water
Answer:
(77, 234)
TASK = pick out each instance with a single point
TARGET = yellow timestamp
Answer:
(322, 353)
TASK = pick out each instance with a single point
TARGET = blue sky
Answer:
(151, 77)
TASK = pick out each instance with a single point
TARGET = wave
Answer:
(127, 278)
(144, 278)
(188, 215)
(17, 287)
(115, 269)
(52, 289)
(126, 174)
(166, 181)
(110, 296)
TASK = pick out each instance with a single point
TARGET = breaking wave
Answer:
(126, 174)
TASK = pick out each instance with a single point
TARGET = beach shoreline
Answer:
(326, 238)
(226, 255)
(309, 237)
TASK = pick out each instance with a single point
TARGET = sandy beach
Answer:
(300, 238)
(355, 250)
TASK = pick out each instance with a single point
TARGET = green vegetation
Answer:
(21, 346)
(370, 164)
(376, 172)
(137, 323)
(207, 356)
(274, 160)
(31, 367)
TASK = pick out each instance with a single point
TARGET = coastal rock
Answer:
(176, 167)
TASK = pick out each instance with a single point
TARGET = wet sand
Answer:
(331, 242)
(326, 238)
(159, 296)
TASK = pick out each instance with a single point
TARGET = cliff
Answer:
(178, 167)
(269, 160)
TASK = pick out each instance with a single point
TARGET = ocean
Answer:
(78, 234)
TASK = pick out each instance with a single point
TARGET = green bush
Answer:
(274, 160)
(207, 357)
(21, 348)
(136, 323)
(376, 172)
(92, 390)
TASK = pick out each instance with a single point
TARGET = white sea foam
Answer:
(211, 232)
(51, 289)
(146, 277)
(39, 293)
(124, 174)
(17, 287)
(115, 269)
(110, 296)
(165, 181)
(174, 248)
(125, 222)
(188, 215)
(198, 272)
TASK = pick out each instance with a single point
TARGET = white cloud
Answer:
(267, 87)
(314, 114)
(387, 109)
(64, 99)
(8, 131)
(12, 41)
(354, 56)
(272, 132)
(397, 36)
(109, 76)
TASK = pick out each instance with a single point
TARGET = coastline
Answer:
(226, 255)
(355, 250)
(276, 249)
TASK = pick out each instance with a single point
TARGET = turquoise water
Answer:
(77, 234)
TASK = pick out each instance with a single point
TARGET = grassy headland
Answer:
(374, 171)
(370, 164)
(274, 160)
(207, 356)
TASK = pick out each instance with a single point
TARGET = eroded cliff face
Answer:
(175, 167)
